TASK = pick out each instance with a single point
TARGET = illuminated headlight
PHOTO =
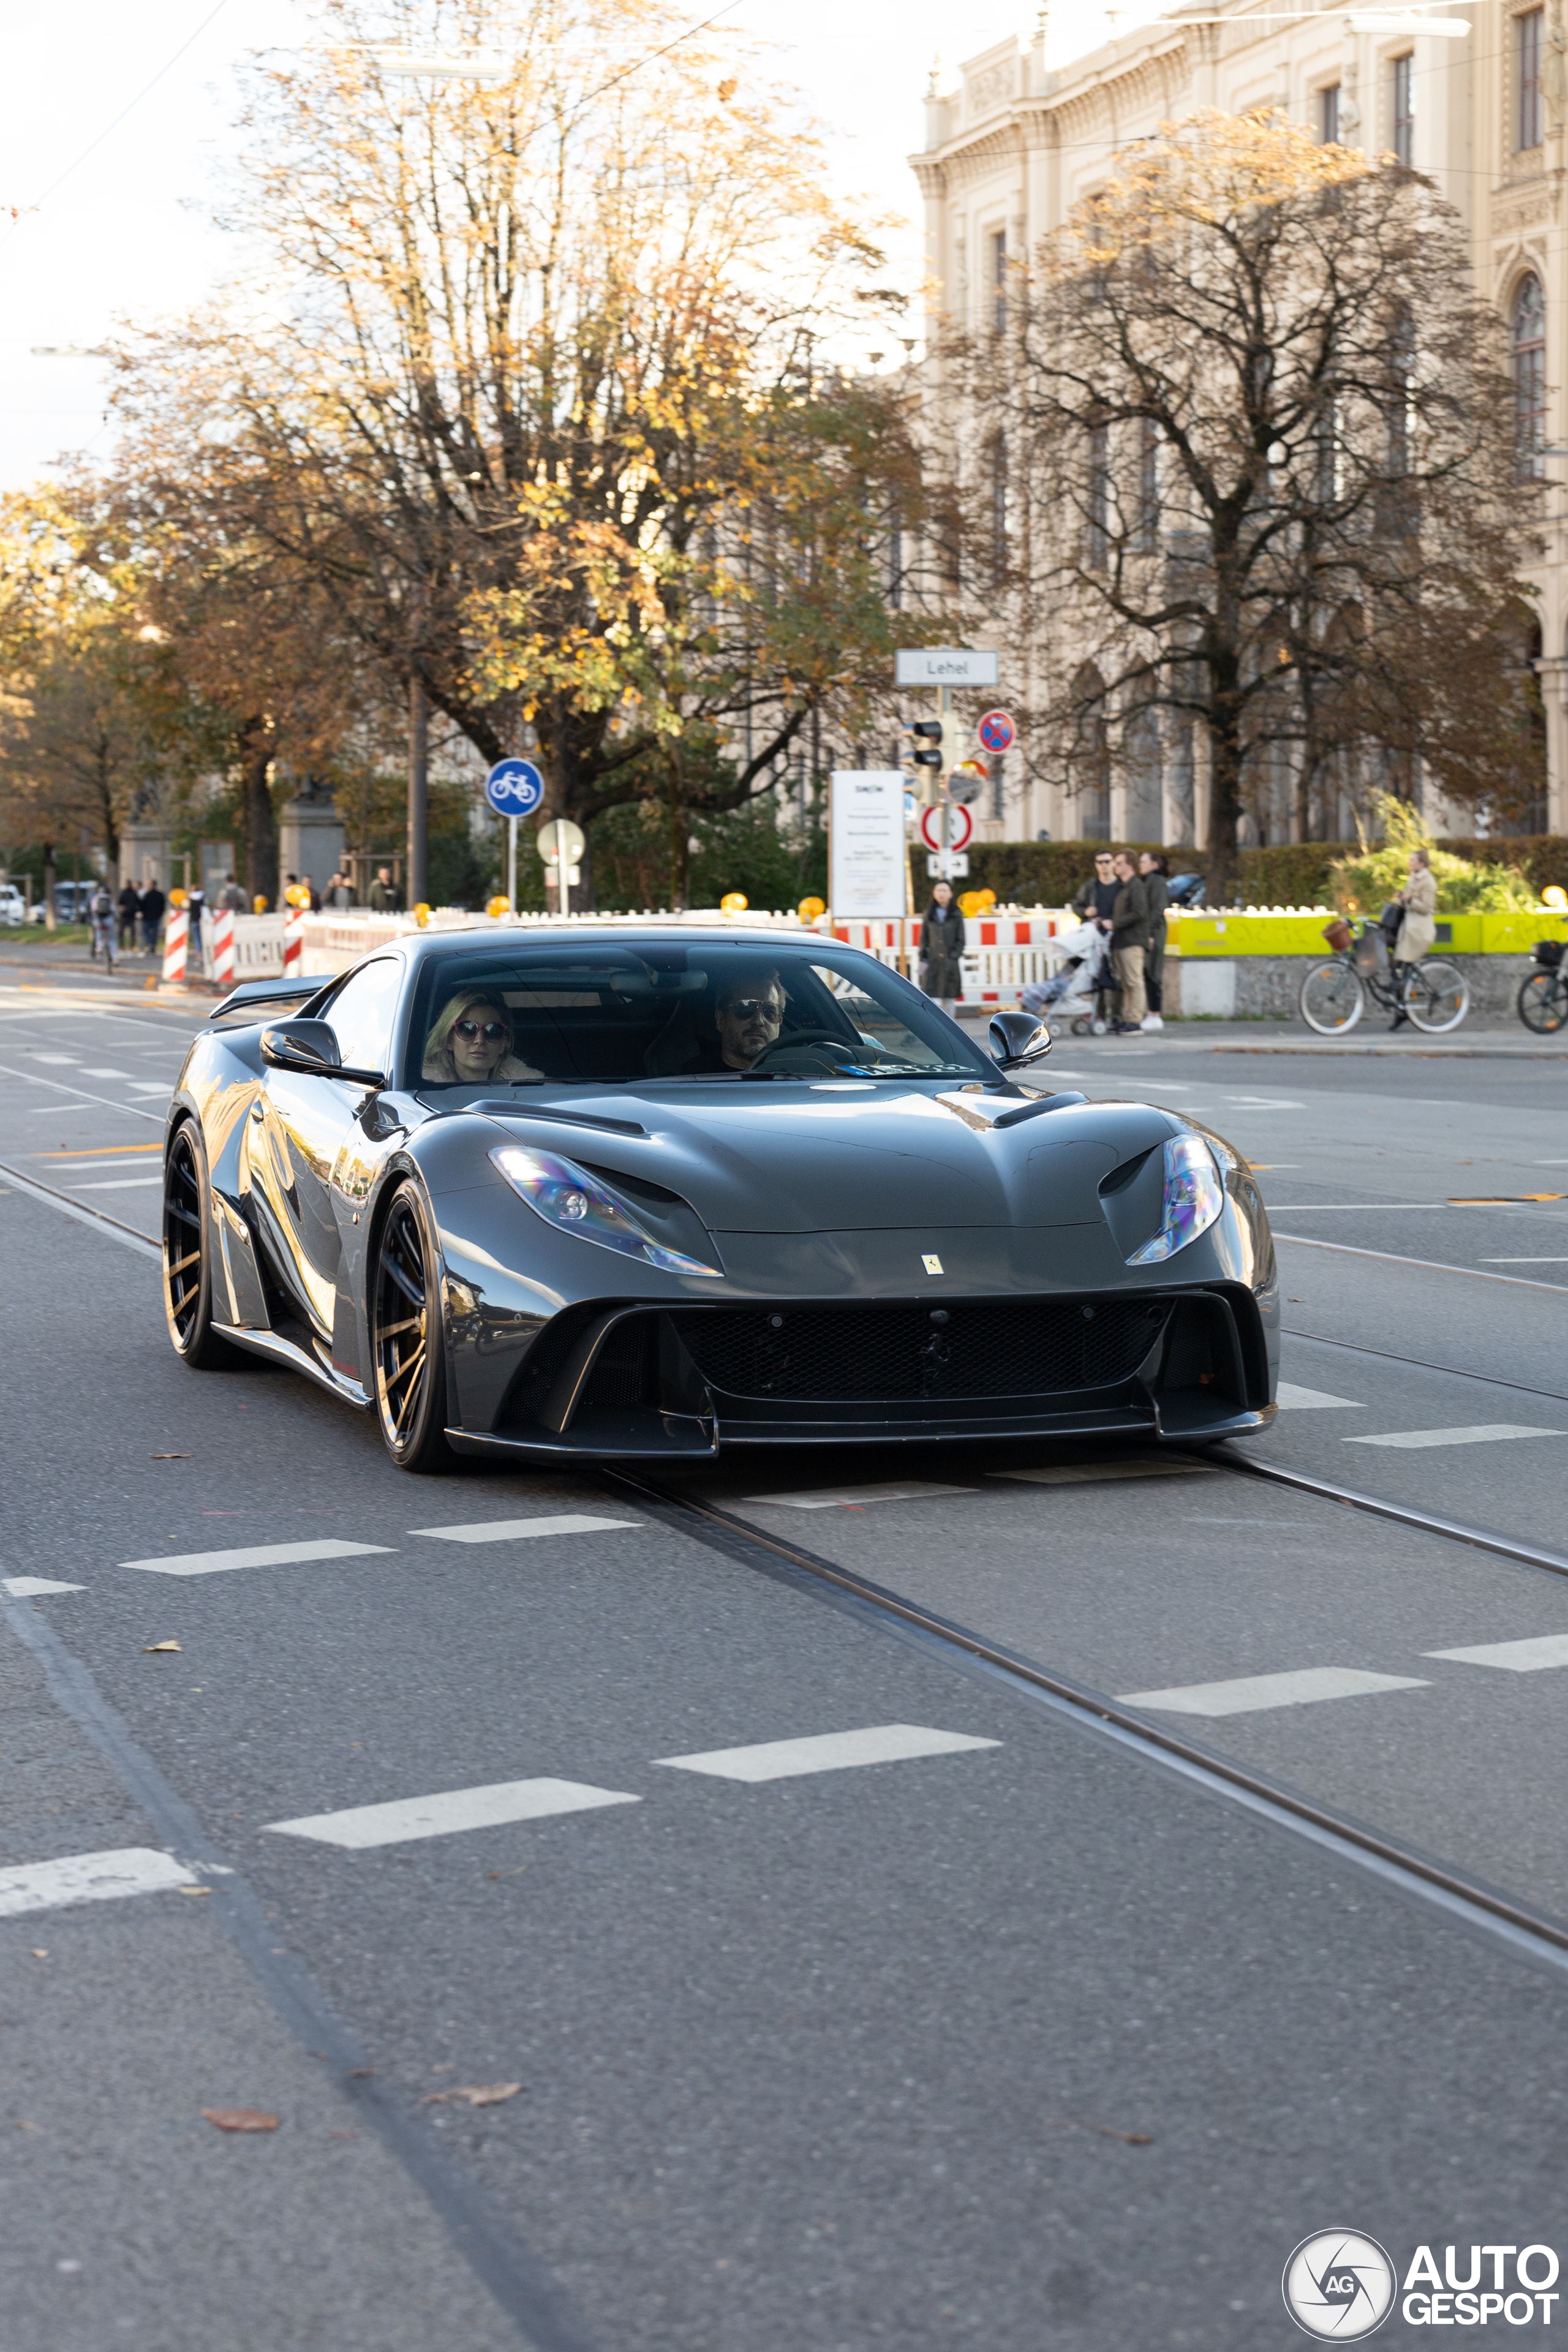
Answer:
(1193, 1199)
(567, 1196)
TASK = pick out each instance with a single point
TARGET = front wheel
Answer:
(189, 1253)
(1543, 1002)
(406, 1335)
(1331, 999)
(1435, 996)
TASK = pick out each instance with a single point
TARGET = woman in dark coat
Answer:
(942, 945)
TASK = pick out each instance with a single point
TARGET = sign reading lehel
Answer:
(946, 665)
(866, 843)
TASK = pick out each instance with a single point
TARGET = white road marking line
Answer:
(24, 1588)
(450, 1812)
(1483, 1433)
(1301, 1208)
(826, 1498)
(1252, 1694)
(1299, 1399)
(60, 1086)
(92, 1070)
(90, 1878)
(1259, 1102)
(117, 1183)
(565, 1523)
(1524, 1261)
(1529, 1658)
(154, 1086)
(122, 1160)
(828, 1751)
(211, 1563)
(60, 1061)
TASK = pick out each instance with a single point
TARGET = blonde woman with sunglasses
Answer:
(470, 1044)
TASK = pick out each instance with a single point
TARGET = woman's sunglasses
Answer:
(470, 1030)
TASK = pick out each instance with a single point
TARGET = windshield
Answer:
(621, 1012)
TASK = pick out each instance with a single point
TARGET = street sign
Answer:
(560, 841)
(514, 788)
(996, 731)
(945, 666)
(948, 865)
(866, 843)
(960, 827)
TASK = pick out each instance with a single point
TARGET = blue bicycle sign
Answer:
(514, 788)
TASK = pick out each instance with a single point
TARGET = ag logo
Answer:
(1339, 2284)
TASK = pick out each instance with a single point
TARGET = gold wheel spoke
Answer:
(409, 1323)
(180, 1263)
(409, 1393)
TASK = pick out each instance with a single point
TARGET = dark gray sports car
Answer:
(653, 1190)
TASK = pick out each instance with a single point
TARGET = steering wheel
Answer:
(802, 1037)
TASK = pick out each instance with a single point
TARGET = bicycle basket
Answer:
(1549, 953)
(1371, 951)
(1338, 934)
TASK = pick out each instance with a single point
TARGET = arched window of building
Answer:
(1528, 336)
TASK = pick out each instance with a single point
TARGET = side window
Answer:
(362, 1014)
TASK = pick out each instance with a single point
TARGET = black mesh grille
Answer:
(1009, 1347)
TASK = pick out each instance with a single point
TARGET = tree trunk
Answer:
(260, 820)
(680, 834)
(1224, 782)
(417, 868)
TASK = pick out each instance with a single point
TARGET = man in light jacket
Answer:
(1129, 943)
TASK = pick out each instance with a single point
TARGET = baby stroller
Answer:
(1083, 990)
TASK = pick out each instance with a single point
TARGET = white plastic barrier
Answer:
(1007, 951)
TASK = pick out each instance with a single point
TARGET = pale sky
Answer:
(125, 235)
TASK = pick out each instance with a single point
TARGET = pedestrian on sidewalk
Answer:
(100, 914)
(1129, 943)
(152, 913)
(231, 897)
(1096, 901)
(385, 895)
(196, 906)
(942, 946)
(1418, 931)
(1153, 870)
(129, 904)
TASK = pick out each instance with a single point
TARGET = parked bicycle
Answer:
(1544, 993)
(1431, 993)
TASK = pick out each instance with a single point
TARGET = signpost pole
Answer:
(511, 866)
(565, 887)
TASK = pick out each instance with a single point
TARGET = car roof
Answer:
(424, 943)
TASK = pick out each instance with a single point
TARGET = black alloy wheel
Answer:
(406, 1337)
(189, 1253)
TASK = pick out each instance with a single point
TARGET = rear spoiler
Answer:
(261, 993)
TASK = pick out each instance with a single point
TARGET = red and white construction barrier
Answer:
(223, 947)
(294, 942)
(176, 943)
(1005, 952)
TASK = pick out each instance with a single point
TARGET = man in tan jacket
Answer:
(1419, 929)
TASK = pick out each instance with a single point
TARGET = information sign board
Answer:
(946, 665)
(866, 842)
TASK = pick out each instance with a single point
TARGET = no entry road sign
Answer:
(514, 788)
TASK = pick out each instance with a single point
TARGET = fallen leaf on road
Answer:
(150, 1649)
(473, 2094)
(39, 1952)
(1104, 2131)
(239, 2119)
(170, 1457)
(193, 1890)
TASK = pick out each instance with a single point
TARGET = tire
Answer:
(1543, 1002)
(1331, 999)
(188, 1254)
(407, 1352)
(1437, 996)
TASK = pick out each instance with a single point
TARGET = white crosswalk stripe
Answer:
(27, 1588)
(1482, 1432)
(450, 1812)
(283, 1555)
(830, 1751)
(565, 1522)
(90, 1878)
(1299, 1399)
(1254, 1694)
(1528, 1657)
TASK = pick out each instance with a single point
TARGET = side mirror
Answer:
(1018, 1038)
(310, 1048)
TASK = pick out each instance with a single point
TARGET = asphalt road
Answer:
(1005, 2029)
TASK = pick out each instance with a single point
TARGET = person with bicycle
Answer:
(1418, 931)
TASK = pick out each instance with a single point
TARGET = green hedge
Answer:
(1291, 874)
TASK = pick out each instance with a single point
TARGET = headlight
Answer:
(567, 1196)
(1193, 1199)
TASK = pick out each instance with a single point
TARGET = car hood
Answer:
(835, 1159)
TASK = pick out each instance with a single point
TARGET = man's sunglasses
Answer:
(470, 1030)
(748, 1007)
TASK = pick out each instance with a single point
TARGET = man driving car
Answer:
(749, 1016)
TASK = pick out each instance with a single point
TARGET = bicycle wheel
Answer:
(1331, 999)
(1543, 1002)
(1435, 996)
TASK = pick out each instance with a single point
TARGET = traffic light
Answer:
(927, 733)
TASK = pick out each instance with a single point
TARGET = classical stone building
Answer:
(1020, 139)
